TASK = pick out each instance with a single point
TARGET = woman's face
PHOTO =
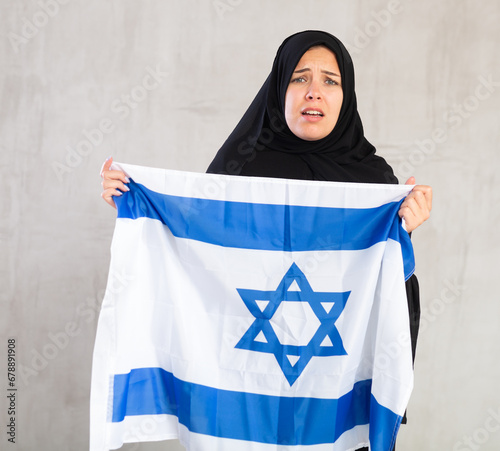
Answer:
(314, 95)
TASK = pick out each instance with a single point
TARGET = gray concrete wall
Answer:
(428, 84)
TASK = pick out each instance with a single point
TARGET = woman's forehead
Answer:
(319, 54)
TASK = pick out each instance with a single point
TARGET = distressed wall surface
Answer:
(162, 84)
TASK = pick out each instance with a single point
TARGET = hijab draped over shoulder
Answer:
(263, 145)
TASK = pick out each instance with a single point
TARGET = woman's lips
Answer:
(312, 114)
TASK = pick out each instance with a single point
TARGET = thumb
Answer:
(410, 181)
(107, 164)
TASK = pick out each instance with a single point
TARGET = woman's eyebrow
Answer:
(323, 71)
(330, 73)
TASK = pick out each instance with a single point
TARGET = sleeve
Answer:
(413, 296)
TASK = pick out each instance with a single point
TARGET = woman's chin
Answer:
(311, 131)
(312, 135)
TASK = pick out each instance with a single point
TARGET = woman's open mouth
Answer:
(312, 114)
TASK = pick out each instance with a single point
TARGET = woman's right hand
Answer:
(113, 182)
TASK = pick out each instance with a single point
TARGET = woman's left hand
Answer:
(417, 206)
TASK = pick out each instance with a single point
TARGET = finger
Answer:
(418, 206)
(108, 195)
(427, 192)
(114, 184)
(409, 218)
(409, 208)
(417, 202)
(115, 175)
(414, 211)
(106, 165)
(410, 181)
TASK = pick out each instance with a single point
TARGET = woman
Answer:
(304, 124)
(304, 127)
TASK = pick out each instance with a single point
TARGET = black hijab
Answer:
(263, 145)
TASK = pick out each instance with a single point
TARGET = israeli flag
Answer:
(247, 313)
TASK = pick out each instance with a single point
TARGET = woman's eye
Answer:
(329, 81)
(298, 80)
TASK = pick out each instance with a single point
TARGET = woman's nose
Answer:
(313, 93)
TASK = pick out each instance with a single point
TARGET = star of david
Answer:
(294, 323)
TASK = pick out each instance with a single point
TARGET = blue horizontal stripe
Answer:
(252, 417)
(289, 228)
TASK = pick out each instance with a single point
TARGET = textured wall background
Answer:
(74, 90)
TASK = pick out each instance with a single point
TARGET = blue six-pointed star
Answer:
(262, 337)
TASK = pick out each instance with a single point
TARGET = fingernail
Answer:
(128, 180)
